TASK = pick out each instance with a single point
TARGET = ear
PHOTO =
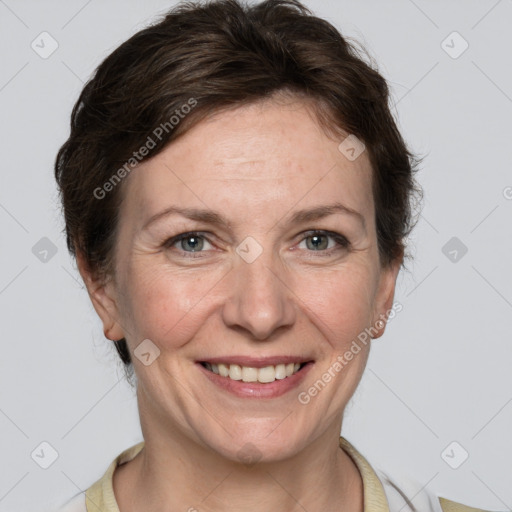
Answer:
(383, 303)
(103, 297)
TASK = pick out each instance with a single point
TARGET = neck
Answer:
(173, 472)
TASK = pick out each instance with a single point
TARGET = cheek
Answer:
(165, 307)
(339, 302)
(170, 307)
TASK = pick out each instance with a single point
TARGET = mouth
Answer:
(256, 377)
(259, 374)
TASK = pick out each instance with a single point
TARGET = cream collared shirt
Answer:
(380, 494)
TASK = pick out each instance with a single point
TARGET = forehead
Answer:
(255, 155)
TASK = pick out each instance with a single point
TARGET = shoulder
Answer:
(406, 497)
(385, 495)
(452, 506)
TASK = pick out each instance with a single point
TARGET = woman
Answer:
(237, 196)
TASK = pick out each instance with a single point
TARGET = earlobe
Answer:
(385, 296)
(103, 298)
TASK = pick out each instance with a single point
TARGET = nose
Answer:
(259, 302)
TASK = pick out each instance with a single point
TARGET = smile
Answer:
(264, 375)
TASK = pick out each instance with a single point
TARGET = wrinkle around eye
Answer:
(340, 241)
(170, 243)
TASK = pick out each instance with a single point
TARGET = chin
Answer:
(253, 445)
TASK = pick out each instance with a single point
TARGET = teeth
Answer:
(223, 369)
(280, 371)
(248, 374)
(235, 372)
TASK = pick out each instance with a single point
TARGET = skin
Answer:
(256, 166)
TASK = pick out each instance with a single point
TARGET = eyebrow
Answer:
(299, 217)
(324, 211)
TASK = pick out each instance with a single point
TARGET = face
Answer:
(250, 241)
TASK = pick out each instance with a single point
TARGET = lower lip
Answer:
(258, 389)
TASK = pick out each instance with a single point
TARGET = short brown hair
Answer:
(216, 55)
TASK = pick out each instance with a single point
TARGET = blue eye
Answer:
(320, 241)
(188, 242)
(324, 243)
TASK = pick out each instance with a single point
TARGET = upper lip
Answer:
(256, 362)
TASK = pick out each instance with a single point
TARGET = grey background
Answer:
(442, 371)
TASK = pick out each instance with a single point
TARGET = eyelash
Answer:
(341, 241)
